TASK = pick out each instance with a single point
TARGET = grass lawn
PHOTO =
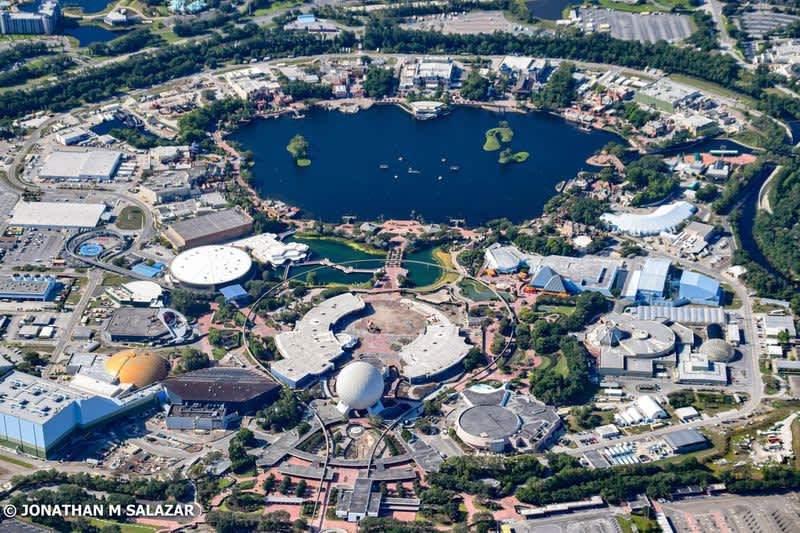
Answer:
(125, 528)
(15, 461)
(218, 353)
(624, 524)
(131, 218)
(630, 8)
(546, 362)
(566, 310)
(277, 6)
(561, 366)
(110, 280)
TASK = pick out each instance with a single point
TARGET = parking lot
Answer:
(733, 514)
(760, 23)
(639, 27)
(36, 247)
(468, 23)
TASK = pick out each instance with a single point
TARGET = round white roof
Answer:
(210, 265)
(359, 385)
(716, 350)
(144, 291)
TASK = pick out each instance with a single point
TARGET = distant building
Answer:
(361, 500)
(700, 370)
(213, 228)
(666, 95)
(89, 165)
(503, 259)
(146, 325)
(649, 284)
(69, 136)
(38, 415)
(775, 325)
(212, 398)
(685, 441)
(26, 287)
(665, 218)
(42, 22)
(45, 215)
(434, 72)
(699, 289)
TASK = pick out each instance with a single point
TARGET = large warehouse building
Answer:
(38, 415)
(313, 348)
(56, 215)
(212, 228)
(212, 398)
(96, 165)
(27, 287)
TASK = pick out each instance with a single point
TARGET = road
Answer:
(94, 279)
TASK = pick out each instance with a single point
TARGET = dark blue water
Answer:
(549, 9)
(87, 35)
(89, 6)
(347, 151)
(29, 7)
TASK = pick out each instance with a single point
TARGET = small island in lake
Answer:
(507, 156)
(505, 133)
(496, 137)
(298, 147)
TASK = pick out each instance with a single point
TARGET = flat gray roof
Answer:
(684, 437)
(197, 227)
(33, 398)
(489, 421)
(56, 214)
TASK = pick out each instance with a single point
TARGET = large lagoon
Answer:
(384, 162)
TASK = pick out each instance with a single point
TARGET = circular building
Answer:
(716, 350)
(210, 266)
(359, 386)
(138, 368)
(487, 427)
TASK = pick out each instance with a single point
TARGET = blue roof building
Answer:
(698, 288)
(234, 293)
(146, 270)
(546, 280)
(653, 277)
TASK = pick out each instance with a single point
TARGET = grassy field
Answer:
(131, 218)
(15, 461)
(124, 528)
(561, 366)
(630, 8)
(110, 280)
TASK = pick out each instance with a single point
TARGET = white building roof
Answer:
(56, 214)
(439, 348)
(80, 165)
(312, 348)
(773, 325)
(210, 265)
(650, 408)
(664, 219)
(266, 248)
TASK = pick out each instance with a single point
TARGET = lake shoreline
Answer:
(442, 202)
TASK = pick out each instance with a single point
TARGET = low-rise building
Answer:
(28, 287)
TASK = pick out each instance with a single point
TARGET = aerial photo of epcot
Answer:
(370, 266)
